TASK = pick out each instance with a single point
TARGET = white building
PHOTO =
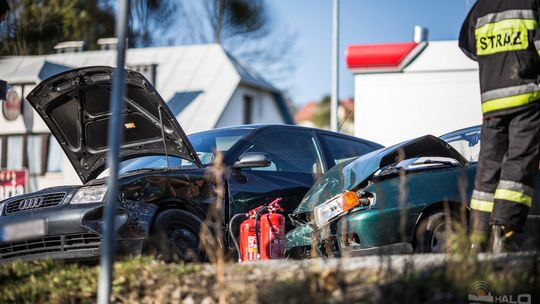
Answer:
(405, 90)
(204, 87)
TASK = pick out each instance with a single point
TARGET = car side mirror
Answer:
(253, 160)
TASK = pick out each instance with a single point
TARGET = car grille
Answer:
(34, 202)
(57, 243)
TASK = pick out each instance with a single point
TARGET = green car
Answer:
(397, 199)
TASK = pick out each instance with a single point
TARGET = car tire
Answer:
(299, 253)
(430, 234)
(176, 236)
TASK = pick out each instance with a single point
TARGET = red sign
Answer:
(12, 183)
(12, 105)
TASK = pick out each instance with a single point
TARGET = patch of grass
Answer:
(144, 280)
(52, 281)
(46, 281)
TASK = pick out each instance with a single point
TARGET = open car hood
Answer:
(349, 175)
(75, 106)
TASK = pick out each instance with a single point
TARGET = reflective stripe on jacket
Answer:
(504, 37)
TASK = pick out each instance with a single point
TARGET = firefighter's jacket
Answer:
(503, 36)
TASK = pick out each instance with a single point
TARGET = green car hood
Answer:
(348, 175)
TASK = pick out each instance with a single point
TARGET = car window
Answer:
(342, 149)
(289, 151)
(206, 143)
(466, 143)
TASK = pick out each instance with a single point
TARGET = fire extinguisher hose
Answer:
(231, 233)
(257, 230)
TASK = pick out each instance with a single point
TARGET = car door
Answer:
(296, 163)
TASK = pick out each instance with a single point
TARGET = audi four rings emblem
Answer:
(30, 203)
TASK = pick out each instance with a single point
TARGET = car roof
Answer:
(272, 126)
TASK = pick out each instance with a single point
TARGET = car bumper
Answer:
(366, 232)
(71, 233)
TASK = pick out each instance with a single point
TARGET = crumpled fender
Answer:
(298, 237)
(132, 219)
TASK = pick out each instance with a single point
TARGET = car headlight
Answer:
(339, 204)
(91, 194)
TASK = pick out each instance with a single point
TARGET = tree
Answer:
(34, 27)
(321, 116)
(244, 29)
(150, 21)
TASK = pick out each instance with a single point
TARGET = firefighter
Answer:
(503, 37)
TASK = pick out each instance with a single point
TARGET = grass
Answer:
(144, 280)
(57, 282)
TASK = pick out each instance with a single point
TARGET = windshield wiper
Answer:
(135, 171)
(435, 161)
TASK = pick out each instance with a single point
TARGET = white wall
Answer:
(392, 107)
(264, 109)
(68, 176)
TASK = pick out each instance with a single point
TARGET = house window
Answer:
(54, 156)
(248, 109)
(14, 157)
(35, 154)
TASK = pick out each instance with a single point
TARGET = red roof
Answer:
(372, 56)
(347, 104)
(306, 112)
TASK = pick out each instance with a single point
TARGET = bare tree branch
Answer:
(244, 30)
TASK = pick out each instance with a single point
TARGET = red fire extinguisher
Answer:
(262, 238)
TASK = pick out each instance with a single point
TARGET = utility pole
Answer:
(334, 101)
(115, 133)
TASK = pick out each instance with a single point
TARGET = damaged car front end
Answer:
(366, 206)
(66, 222)
(400, 199)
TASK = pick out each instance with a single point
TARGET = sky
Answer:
(361, 22)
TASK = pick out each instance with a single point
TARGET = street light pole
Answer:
(334, 101)
(115, 135)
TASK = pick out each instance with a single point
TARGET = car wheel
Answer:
(176, 235)
(299, 253)
(431, 232)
